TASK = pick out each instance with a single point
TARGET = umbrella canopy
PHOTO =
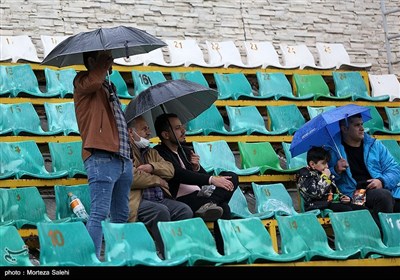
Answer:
(182, 97)
(320, 130)
(123, 41)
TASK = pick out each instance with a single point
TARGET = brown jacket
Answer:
(142, 180)
(94, 114)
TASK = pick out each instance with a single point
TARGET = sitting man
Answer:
(150, 200)
(365, 163)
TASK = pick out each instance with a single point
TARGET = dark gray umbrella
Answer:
(123, 41)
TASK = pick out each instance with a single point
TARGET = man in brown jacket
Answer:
(150, 199)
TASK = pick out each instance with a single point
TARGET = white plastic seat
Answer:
(50, 42)
(385, 84)
(156, 57)
(263, 52)
(187, 52)
(335, 55)
(301, 56)
(19, 48)
(226, 53)
(137, 59)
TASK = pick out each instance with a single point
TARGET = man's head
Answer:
(92, 59)
(318, 158)
(352, 129)
(163, 124)
(139, 125)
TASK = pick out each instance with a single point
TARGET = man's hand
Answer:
(341, 165)
(195, 160)
(148, 168)
(222, 182)
(374, 184)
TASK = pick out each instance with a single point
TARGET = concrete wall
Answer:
(356, 24)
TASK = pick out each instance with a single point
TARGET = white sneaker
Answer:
(209, 212)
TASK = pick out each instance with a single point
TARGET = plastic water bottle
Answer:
(77, 207)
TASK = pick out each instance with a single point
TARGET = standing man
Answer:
(105, 144)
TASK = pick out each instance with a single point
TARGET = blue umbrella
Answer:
(320, 130)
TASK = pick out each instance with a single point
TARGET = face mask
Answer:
(142, 143)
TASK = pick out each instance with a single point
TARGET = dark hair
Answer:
(345, 122)
(316, 154)
(86, 56)
(162, 123)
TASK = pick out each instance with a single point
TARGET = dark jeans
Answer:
(396, 208)
(379, 200)
(344, 207)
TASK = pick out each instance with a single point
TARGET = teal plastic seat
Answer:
(13, 248)
(68, 244)
(314, 84)
(390, 223)
(145, 79)
(296, 162)
(277, 86)
(376, 125)
(353, 84)
(6, 124)
(275, 197)
(218, 154)
(193, 76)
(63, 209)
(210, 122)
(25, 159)
(394, 148)
(235, 86)
(358, 230)
(285, 117)
(393, 116)
(24, 120)
(61, 118)
(192, 239)
(6, 172)
(61, 81)
(240, 209)
(120, 84)
(263, 156)
(249, 236)
(5, 86)
(304, 233)
(133, 244)
(23, 82)
(249, 118)
(315, 111)
(67, 156)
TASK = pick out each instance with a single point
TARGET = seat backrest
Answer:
(61, 117)
(49, 42)
(66, 244)
(6, 53)
(240, 208)
(246, 117)
(63, 209)
(315, 111)
(262, 52)
(67, 156)
(394, 148)
(120, 84)
(332, 55)
(393, 116)
(225, 52)
(24, 206)
(13, 248)
(60, 81)
(274, 85)
(390, 223)
(298, 161)
(376, 122)
(352, 84)
(6, 123)
(6, 87)
(20, 47)
(306, 84)
(156, 57)
(297, 55)
(273, 197)
(286, 117)
(137, 59)
(186, 52)
(145, 79)
(385, 84)
(195, 76)
(232, 85)
(259, 154)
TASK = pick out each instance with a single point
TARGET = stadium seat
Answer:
(376, 125)
(188, 52)
(228, 54)
(240, 209)
(300, 56)
(192, 239)
(20, 48)
(25, 159)
(67, 156)
(285, 117)
(358, 230)
(394, 148)
(195, 76)
(120, 84)
(145, 79)
(298, 161)
(263, 156)
(210, 122)
(277, 86)
(235, 86)
(6, 87)
(49, 42)
(137, 59)
(275, 197)
(61, 118)
(24, 120)
(390, 223)
(133, 244)
(68, 244)
(314, 84)
(13, 248)
(263, 52)
(61, 81)
(63, 209)
(250, 119)
(6, 124)
(218, 154)
(315, 111)
(385, 84)
(335, 55)
(353, 84)
(393, 116)
(304, 233)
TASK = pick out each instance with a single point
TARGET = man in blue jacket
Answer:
(365, 163)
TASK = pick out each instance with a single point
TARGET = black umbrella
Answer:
(123, 41)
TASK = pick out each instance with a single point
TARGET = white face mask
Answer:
(142, 143)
